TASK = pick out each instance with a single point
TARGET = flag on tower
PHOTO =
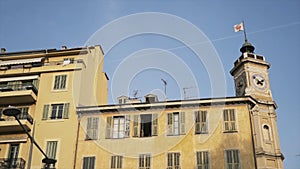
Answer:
(238, 27)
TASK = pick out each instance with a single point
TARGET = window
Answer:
(60, 82)
(118, 126)
(88, 163)
(229, 120)
(200, 122)
(92, 128)
(266, 133)
(176, 123)
(116, 162)
(232, 159)
(144, 161)
(202, 160)
(58, 111)
(51, 149)
(145, 125)
(173, 161)
(68, 61)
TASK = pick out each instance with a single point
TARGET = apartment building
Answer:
(47, 85)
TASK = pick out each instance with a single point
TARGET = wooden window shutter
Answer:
(127, 126)
(170, 124)
(95, 128)
(136, 121)
(89, 128)
(182, 123)
(66, 110)
(154, 124)
(225, 118)
(45, 112)
(197, 122)
(109, 127)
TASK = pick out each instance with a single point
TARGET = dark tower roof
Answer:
(247, 47)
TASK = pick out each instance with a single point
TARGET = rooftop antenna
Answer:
(165, 84)
(135, 94)
(185, 89)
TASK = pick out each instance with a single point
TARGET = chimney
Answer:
(64, 47)
(3, 50)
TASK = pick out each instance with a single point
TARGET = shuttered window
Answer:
(202, 160)
(92, 128)
(116, 162)
(173, 161)
(229, 117)
(176, 123)
(89, 162)
(58, 111)
(51, 149)
(200, 122)
(144, 161)
(118, 126)
(232, 159)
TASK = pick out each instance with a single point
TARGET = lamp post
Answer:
(13, 111)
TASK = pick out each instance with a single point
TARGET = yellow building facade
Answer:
(45, 85)
(62, 95)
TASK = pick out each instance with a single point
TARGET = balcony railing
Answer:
(18, 87)
(12, 163)
(22, 116)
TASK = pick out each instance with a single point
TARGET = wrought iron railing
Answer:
(22, 116)
(17, 87)
(12, 163)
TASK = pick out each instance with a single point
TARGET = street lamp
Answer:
(13, 111)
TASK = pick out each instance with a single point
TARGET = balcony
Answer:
(12, 163)
(10, 125)
(18, 94)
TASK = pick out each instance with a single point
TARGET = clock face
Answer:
(259, 81)
(240, 86)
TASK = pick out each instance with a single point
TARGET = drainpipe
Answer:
(252, 137)
(76, 143)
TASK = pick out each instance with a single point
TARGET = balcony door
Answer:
(13, 155)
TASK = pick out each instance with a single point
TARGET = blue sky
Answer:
(272, 27)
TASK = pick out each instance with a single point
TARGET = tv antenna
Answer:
(135, 94)
(165, 84)
(185, 91)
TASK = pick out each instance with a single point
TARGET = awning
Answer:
(20, 61)
(9, 79)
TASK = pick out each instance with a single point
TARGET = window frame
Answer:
(89, 158)
(109, 133)
(174, 160)
(232, 158)
(56, 149)
(92, 128)
(146, 159)
(61, 85)
(230, 122)
(206, 165)
(171, 123)
(198, 119)
(137, 125)
(116, 162)
(48, 111)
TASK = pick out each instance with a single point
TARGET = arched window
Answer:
(266, 133)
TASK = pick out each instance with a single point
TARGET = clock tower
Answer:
(251, 78)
